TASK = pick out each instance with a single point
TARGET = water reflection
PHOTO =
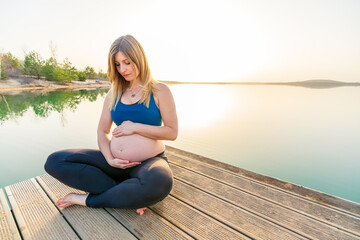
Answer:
(35, 124)
(15, 105)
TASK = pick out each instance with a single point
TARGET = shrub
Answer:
(33, 65)
(3, 74)
(90, 72)
(82, 76)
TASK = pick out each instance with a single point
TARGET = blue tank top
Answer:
(137, 113)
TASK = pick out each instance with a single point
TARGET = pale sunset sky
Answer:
(190, 40)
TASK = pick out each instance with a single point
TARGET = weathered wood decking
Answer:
(209, 200)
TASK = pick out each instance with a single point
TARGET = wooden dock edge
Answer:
(10, 221)
(308, 193)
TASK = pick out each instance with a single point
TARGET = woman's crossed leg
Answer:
(87, 170)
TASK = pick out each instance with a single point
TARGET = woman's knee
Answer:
(160, 180)
(165, 178)
(53, 161)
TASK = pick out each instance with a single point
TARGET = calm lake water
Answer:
(302, 135)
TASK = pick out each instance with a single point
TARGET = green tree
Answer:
(82, 76)
(11, 61)
(33, 64)
(90, 72)
(69, 71)
(51, 70)
(59, 73)
(3, 74)
(102, 75)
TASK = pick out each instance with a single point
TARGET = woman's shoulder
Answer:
(109, 93)
(161, 88)
(108, 96)
(163, 94)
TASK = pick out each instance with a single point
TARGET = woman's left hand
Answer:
(124, 129)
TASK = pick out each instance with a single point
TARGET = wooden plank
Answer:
(270, 211)
(252, 225)
(149, 225)
(313, 195)
(194, 222)
(8, 229)
(331, 216)
(89, 223)
(36, 216)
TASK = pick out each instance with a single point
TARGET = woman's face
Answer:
(126, 68)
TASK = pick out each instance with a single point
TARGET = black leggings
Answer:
(136, 187)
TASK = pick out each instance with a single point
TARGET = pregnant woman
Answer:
(130, 170)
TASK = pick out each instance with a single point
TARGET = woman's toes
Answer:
(140, 211)
(63, 205)
(65, 201)
(59, 202)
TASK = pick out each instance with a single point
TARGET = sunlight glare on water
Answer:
(197, 109)
(302, 135)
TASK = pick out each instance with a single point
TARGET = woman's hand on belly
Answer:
(126, 128)
(119, 163)
(135, 148)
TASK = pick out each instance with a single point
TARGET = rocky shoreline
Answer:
(25, 84)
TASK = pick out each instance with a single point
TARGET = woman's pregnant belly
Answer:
(135, 147)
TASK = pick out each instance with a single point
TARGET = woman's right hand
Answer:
(119, 163)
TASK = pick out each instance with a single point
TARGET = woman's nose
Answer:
(121, 69)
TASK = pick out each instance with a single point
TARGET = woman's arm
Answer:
(168, 131)
(103, 131)
(103, 137)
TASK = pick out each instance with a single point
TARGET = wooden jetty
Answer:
(209, 200)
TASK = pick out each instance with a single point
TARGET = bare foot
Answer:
(71, 199)
(140, 210)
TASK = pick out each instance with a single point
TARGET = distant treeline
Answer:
(51, 69)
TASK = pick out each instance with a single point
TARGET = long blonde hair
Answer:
(132, 49)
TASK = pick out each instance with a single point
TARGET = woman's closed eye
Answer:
(118, 65)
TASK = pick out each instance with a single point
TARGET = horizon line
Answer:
(312, 81)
